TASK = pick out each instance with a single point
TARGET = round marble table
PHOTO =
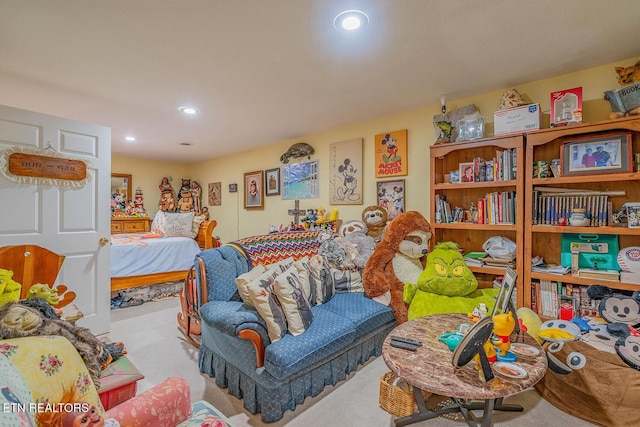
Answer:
(430, 368)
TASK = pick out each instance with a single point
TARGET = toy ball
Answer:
(629, 259)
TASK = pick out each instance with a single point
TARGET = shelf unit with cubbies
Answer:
(546, 240)
(470, 236)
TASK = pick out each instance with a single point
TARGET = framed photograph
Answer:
(391, 197)
(215, 194)
(272, 182)
(253, 190)
(391, 154)
(233, 188)
(345, 166)
(506, 290)
(633, 215)
(465, 172)
(604, 153)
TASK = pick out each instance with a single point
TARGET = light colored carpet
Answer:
(158, 349)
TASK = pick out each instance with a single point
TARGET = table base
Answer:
(465, 408)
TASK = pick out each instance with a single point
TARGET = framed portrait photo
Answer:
(272, 182)
(254, 190)
(465, 172)
(633, 215)
(604, 153)
(391, 197)
(215, 194)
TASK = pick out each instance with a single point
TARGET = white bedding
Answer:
(148, 253)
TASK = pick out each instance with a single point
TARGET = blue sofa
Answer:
(235, 347)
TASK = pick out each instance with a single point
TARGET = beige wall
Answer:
(234, 221)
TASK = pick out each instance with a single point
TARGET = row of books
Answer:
(500, 168)
(497, 208)
(549, 208)
(547, 297)
(480, 259)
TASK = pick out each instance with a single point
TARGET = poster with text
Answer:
(391, 154)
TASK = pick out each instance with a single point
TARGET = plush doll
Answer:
(375, 217)
(9, 288)
(355, 232)
(40, 290)
(337, 252)
(397, 260)
(446, 285)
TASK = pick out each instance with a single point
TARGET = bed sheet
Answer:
(138, 254)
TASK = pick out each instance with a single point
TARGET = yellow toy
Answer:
(529, 322)
(503, 326)
(322, 215)
(51, 295)
(9, 288)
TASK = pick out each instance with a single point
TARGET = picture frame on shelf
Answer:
(391, 197)
(465, 172)
(633, 214)
(272, 182)
(254, 190)
(601, 154)
(506, 290)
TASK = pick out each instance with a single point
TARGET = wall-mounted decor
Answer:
(604, 153)
(272, 181)
(253, 190)
(300, 149)
(345, 165)
(391, 197)
(300, 181)
(215, 194)
(233, 188)
(391, 154)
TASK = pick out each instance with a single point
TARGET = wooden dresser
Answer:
(130, 225)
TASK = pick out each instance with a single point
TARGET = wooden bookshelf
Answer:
(545, 240)
(470, 236)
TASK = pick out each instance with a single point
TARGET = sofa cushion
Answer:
(364, 313)
(266, 302)
(346, 281)
(230, 317)
(295, 305)
(325, 337)
(222, 266)
(243, 280)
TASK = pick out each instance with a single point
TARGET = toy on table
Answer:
(446, 285)
(479, 312)
(397, 260)
(530, 322)
(503, 326)
(452, 339)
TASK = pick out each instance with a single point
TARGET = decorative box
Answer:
(624, 99)
(118, 382)
(517, 119)
(566, 107)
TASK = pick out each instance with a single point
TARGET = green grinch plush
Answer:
(446, 285)
(9, 288)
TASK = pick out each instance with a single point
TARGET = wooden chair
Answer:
(31, 264)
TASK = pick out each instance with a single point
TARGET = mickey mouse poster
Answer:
(345, 161)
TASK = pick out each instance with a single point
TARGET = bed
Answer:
(147, 258)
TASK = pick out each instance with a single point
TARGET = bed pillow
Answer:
(243, 280)
(266, 302)
(197, 222)
(179, 225)
(295, 305)
(159, 223)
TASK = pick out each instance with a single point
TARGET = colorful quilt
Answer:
(269, 248)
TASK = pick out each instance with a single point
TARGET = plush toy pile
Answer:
(355, 232)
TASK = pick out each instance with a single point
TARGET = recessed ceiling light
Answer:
(185, 143)
(351, 20)
(188, 110)
(130, 138)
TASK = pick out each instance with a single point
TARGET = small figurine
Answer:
(503, 326)
(167, 196)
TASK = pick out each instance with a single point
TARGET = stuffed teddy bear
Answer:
(9, 288)
(397, 260)
(446, 285)
(355, 232)
(375, 218)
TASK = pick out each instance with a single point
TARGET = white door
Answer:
(68, 221)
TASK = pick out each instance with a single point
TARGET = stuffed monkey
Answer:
(397, 259)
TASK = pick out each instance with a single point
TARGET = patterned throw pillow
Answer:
(159, 223)
(296, 307)
(347, 281)
(179, 225)
(281, 266)
(320, 278)
(267, 304)
(243, 280)
(304, 273)
(195, 227)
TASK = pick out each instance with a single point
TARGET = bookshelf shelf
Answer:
(546, 240)
(467, 185)
(472, 226)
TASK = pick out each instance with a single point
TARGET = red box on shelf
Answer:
(566, 107)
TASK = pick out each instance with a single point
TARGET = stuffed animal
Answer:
(9, 288)
(51, 295)
(375, 218)
(337, 252)
(355, 232)
(397, 260)
(446, 285)
(628, 75)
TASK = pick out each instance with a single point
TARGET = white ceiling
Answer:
(263, 71)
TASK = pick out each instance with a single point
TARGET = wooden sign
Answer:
(22, 164)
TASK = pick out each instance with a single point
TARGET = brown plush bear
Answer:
(397, 259)
(375, 217)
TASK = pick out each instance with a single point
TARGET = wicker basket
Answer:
(398, 400)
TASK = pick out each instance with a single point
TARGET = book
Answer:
(611, 275)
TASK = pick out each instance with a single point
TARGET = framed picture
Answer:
(215, 194)
(253, 190)
(391, 197)
(465, 172)
(345, 165)
(633, 215)
(604, 153)
(300, 181)
(391, 154)
(233, 188)
(506, 290)
(272, 182)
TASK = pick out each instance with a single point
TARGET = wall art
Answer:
(253, 190)
(300, 181)
(391, 154)
(272, 182)
(215, 194)
(391, 197)
(345, 166)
